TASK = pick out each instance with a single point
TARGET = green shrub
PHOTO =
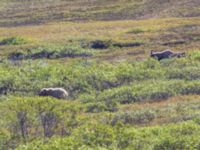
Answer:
(51, 53)
(124, 82)
(181, 136)
(186, 73)
(151, 90)
(100, 44)
(5, 136)
(137, 31)
(13, 41)
(134, 117)
(100, 106)
(191, 88)
(46, 117)
(96, 107)
(16, 56)
(98, 136)
(95, 135)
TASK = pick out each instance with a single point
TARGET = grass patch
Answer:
(125, 82)
(14, 41)
(173, 136)
(51, 53)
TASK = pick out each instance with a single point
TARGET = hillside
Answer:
(117, 96)
(23, 12)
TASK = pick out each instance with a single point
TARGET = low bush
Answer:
(124, 83)
(94, 135)
(99, 106)
(151, 90)
(51, 53)
(98, 136)
(138, 92)
(46, 117)
(13, 41)
(134, 117)
(100, 44)
(96, 107)
(5, 136)
(186, 73)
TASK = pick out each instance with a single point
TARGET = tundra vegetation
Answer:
(118, 96)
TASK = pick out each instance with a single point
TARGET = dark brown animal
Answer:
(59, 93)
(166, 54)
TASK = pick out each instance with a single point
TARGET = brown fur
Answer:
(59, 93)
(166, 54)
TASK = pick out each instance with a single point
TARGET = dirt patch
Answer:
(174, 43)
(181, 35)
(133, 44)
(136, 52)
(188, 32)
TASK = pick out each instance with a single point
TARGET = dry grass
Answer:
(162, 103)
(173, 110)
(152, 33)
(20, 12)
(110, 29)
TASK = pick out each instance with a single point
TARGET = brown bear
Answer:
(59, 93)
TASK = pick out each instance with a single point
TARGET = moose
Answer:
(166, 54)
